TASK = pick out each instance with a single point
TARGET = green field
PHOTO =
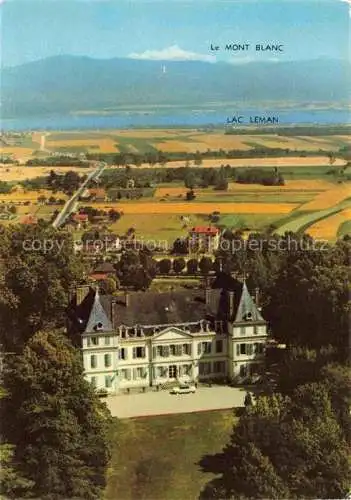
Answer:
(158, 227)
(344, 229)
(252, 222)
(157, 458)
(303, 222)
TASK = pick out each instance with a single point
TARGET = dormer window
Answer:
(248, 316)
(98, 327)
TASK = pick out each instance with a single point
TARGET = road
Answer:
(70, 204)
(164, 403)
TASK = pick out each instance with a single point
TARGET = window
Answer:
(199, 349)
(172, 371)
(93, 341)
(206, 347)
(242, 348)
(138, 352)
(243, 370)
(93, 381)
(219, 367)
(108, 381)
(126, 374)
(219, 326)
(107, 340)
(107, 360)
(159, 350)
(219, 346)
(122, 354)
(93, 362)
(165, 351)
(178, 350)
(259, 348)
(172, 350)
(140, 372)
(162, 371)
(242, 331)
(186, 349)
(204, 368)
(185, 370)
(249, 349)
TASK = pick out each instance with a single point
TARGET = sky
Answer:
(174, 29)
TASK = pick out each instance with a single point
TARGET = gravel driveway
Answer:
(163, 403)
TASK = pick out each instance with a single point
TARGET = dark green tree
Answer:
(205, 265)
(164, 266)
(39, 268)
(55, 422)
(179, 265)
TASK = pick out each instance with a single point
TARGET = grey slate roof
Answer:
(155, 308)
(98, 319)
(247, 307)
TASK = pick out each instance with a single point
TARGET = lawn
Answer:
(157, 458)
(157, 227)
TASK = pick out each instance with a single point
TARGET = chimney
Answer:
(257, 296)
(127, 299)
(231, 298)
(113, 312)
(81, 292)
(211, 299)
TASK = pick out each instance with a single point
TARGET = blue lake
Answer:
(176, 118)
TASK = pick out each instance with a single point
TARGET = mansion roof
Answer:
(107, 313)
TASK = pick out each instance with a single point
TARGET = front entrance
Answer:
(172, 371)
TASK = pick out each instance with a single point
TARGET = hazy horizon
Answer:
(173, 30)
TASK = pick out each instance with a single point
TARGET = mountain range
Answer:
(63, 84)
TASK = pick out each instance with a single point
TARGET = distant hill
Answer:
(69, 83)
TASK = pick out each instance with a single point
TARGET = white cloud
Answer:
(173, 53)
(241, 60)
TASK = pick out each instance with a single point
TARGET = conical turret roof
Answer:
(98, 320)
(247, 309)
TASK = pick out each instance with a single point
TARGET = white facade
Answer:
(129, 358)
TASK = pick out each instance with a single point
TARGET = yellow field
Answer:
(203, 141)
(305, 143)
(151, 133)
(292, 161)
(290, 185)
(174, 146)
(300, 185)
(328, 198)
(199, 208)
(105, 145)
(220, 141)
(16, 152)
(9, 173)
(21, 196)
(328, 228)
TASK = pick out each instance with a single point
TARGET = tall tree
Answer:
(39, 268)
(285, 448)
(55, 422)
